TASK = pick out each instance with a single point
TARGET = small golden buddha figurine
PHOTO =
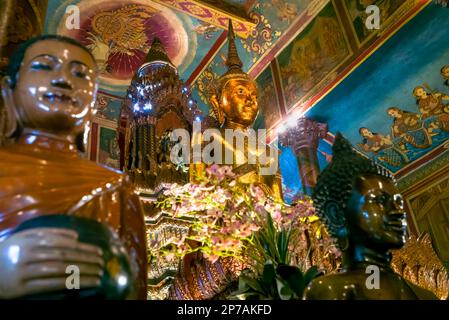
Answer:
(362, 208)
(234, 102)
(49, 95)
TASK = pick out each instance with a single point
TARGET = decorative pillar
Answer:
(303, 140)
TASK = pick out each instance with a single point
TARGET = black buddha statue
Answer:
(361, 207)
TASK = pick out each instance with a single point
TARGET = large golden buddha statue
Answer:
(234, 102)
(59, 196)
(362, 208)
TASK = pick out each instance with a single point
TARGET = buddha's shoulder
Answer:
(12, 160)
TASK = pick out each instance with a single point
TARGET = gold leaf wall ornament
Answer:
(418, 263)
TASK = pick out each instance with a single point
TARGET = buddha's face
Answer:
(56, 87)
(239, 102)
(376, 213)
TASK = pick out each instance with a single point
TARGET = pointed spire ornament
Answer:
(157, 53)
(233, 61)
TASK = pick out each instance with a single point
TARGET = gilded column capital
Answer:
(305, 134)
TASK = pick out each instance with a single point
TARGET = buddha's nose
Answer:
(61, 83)
(398, 202)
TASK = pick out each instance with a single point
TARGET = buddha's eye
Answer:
(240, 90)
(79, 71)
(79, 74)
(376, 198)
(37, 65)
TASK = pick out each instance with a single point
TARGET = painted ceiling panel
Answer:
(273, 19)
(119, 33)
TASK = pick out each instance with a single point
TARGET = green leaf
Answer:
(284, 292)
(268, 277)
(282, 246)
(311, 274)
(252, 283)
(244, 296)
(293, 277)
(243, 286)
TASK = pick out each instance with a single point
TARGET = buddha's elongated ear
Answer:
(217, 110)
(10, 120)
(336, 219)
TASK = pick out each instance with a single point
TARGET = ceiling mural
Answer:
(298, 51)
(273, 19)
(270, 112)
(397, 113)
(120, 32)
(316, 53)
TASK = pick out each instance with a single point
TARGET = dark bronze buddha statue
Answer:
(362, 208)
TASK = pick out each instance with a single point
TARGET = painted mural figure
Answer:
(445, 74)
(313, 55)
(285, 11)
(382, 147)
(114, 154)
(409, 127)
(432, 105)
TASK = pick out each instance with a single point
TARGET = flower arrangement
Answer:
(227, 215)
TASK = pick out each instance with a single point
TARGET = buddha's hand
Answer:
(44, 259)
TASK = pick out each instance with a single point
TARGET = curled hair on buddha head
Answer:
(335, 184)
(15, 62)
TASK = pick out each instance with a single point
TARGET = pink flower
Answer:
(212, 170)
(253, 227)
(277, 216)
(170, 256)
(257, 192)
(226, 171)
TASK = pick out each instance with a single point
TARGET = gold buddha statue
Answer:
(49, 94)
(234, 102)
(362, 208)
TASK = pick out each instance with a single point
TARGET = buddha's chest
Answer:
(376, 286)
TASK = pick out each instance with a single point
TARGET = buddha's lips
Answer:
(396, 220)
(58, 97)
(248, 109)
